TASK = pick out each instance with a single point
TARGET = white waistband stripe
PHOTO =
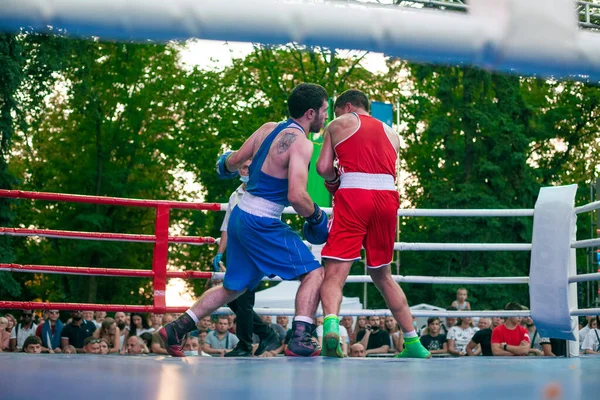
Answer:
(260, 207)
(359, 180)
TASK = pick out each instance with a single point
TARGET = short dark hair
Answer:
(31, 340)
(304, 97)
(430, 320)
(354, 97)
(513, 305)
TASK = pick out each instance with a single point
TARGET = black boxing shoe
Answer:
(239, 351)
(301, 343)
(272, 339)
(174, 334)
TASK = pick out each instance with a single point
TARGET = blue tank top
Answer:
(263, 185)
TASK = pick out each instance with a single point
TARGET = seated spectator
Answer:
(203, 325)
(344, 340)
(4, 334)
(497, 321)
(147, 338)
(481, 342)
(135, 346)
(450, 322)
(357, 350)
(22, 331)
(283, 321)
(155, 321)
(139, 324)
(32, 345)
(104, 347)
(75, 332)
(459, 336)
(69, 350)
(394, 332)
(50, 332)
(109, 331)
(218, 342)
(361, 322)
(88, 316)
(12, 321)
(511, 339)
(168, 317)
(120, 319)
(372, 338)
(484, 323)
(434, 341)
(99, 318)
(591, 342)
(192, 348)
(157, 346)
(91, 345)
(584, 330)
(347, 323)
(540, 346)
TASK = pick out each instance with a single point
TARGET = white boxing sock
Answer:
(410, 334)
(308, 320)
(192, 315)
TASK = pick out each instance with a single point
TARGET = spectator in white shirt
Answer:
(22, 331)
(460, 335)
(591, 342)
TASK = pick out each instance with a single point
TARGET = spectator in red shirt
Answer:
(511, 339)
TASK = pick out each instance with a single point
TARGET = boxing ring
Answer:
(166, 377)
(493, 35)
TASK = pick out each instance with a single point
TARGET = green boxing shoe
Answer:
(414, 349)
(331, 346)
(331, 338)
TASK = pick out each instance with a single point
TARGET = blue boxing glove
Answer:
(315, 228)
(222, 170)
(216, 262)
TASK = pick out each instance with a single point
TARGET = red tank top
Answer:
(368, 150)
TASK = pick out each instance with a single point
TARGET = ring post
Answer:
(551, 295)
(159, 260)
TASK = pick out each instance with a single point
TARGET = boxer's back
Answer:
(364, 144)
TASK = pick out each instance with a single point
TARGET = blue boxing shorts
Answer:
(259, 244)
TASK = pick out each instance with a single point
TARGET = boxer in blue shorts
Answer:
(259, 243)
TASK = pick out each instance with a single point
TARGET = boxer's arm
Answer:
(300, 155)
(237, 158)
(326, 157)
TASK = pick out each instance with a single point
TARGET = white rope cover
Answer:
(527, 37)
(387, 313)
(512, 280)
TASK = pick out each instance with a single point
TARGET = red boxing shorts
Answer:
(363, 218)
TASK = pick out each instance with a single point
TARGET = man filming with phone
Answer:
(374, 339)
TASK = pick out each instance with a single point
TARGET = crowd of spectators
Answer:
(136, 334)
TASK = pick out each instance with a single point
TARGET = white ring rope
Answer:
(588, 207)
(439, 212)
(444, 280)
(479, 37)
(462, 246)
(584, 244)
(387, 313)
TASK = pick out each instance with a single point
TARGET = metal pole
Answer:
(398, 170)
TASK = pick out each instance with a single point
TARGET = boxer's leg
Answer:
(173, 334)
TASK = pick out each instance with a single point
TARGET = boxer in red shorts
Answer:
(364, 214)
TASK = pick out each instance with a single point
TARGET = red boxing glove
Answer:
(333, 185)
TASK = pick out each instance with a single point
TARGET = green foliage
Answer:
(127, 120)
